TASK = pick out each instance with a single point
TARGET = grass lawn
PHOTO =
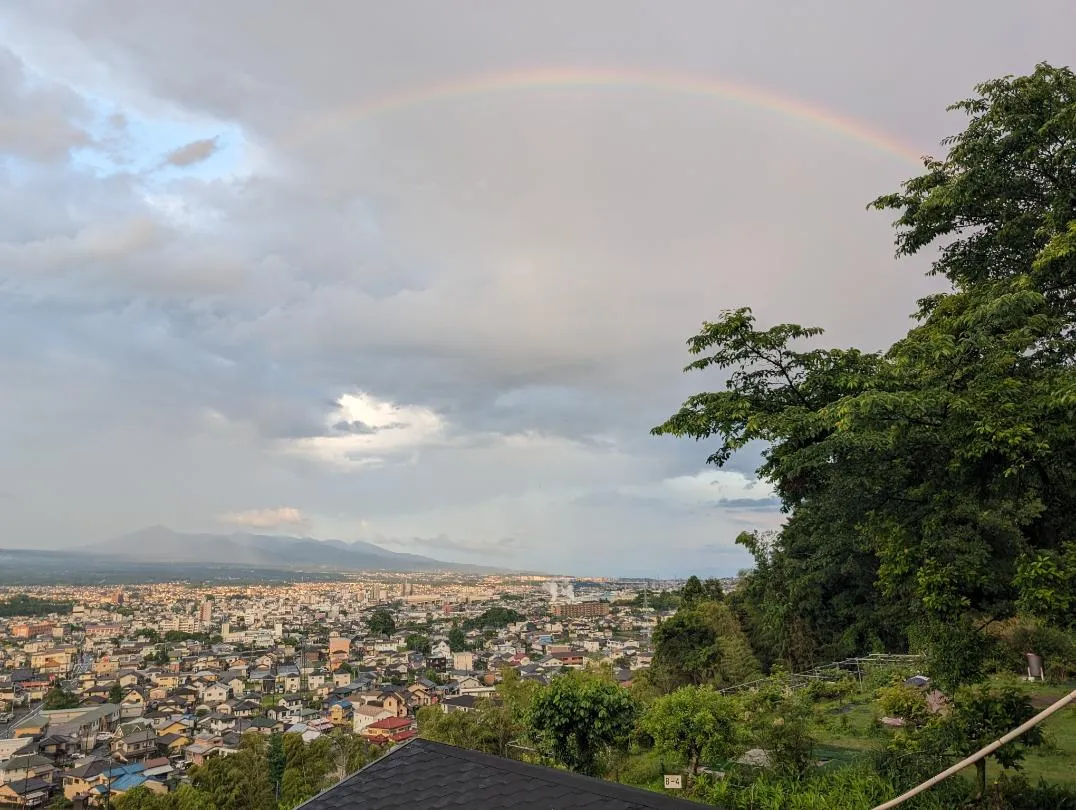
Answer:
(1056, 761)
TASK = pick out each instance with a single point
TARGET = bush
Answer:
(851, 788)
(1020, 635)
(1015, 792)
(905, 702)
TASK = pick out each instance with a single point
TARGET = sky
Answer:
(421, 273)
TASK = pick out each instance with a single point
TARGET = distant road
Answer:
(20, 715)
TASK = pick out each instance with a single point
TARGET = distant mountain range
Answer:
(158, 554)
(159, 544)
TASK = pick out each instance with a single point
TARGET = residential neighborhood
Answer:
(103, 690)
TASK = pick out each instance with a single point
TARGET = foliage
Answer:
(457, 641)
(778, 721)
(239, 781)
(1019, 636)
(931, 484)
(494, 726)
(661, 601)
(978, 716)
(177, 636)
(580, 719)
(303, 772)
(381, 623)
(695, 722)
(22, 604)
(494, 617)
(906, 702)
(57, 698)
(702, 643)
(276, 760)
(184, 798)
(696, 591)
(115, 694)
(418, 643)
(1015, 792)
(851, 788)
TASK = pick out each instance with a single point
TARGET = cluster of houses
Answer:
(145, 711)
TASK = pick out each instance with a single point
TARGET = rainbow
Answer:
(534, 79)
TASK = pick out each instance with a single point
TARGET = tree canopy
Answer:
(382, 623)
(931, 484)
(580, 719)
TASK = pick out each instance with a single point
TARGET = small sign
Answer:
(673, 781)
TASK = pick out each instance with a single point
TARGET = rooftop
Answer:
(423, 773)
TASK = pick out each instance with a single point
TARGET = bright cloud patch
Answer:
(721, 488)
(363, 430)
(284, 516)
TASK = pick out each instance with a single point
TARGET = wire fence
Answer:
(834, 670)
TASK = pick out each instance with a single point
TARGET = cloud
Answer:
(279, 517)
(449, 316)
(363, 430)
(711, 488)
(42, 120)
(191, 153)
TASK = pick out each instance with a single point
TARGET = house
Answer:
(83, 723)
(171, 745)
(134, 703)
(291, 702)
(159, 768)
(391, 729)
(27, 766)
(25, 793)
(58, 746)
(363, 716)
(393, 701)
(423, 773)
(459, 703)
(463, 660)
(246, 708)
(569, 658)
(470, 685)
(418, 695)
(198, 752)
(340, 713)
(123, 778)
(216, 693)
(135, 740)
(78, 781)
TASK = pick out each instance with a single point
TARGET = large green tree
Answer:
(382, 623)
(581, 719)
(695, 722)
(702, 644)
(932, 483)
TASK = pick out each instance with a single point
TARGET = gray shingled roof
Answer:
(427, 774)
